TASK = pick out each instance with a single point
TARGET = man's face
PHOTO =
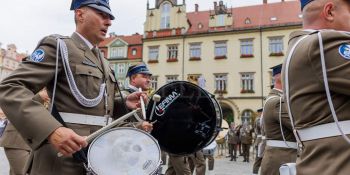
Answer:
(93, 24)
(141, 81)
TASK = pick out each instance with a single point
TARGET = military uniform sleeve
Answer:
(337, 58)
(30, 117)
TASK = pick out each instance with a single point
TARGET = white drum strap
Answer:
(61, 45)
(326, 86)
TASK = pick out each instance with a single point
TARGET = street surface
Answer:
(223, 166)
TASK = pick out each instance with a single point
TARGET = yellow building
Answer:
(232, 48)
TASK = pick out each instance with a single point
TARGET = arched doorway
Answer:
(228, 113)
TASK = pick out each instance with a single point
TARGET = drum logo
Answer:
(161, 107)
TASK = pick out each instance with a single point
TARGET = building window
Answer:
(171, 78)
(165, 16)
(195, 51)
(220, 20)
(247, 82)
(133, 51)
(153, 53)
(247, 116)
(220, 83)
(154, 82)
(220, 49)
(120, 69)
(172, 53)
(117, 52)
(276, 46)
(246, 48)
(247, 21)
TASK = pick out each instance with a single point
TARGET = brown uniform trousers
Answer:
(34, 122)
(308, 101)
(197, 163)
(178, 165)
(274, 157)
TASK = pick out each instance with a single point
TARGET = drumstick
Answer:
(142, 105)
(156, 98)
(92, 136)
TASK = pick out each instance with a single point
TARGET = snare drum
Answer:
(127, 151)
(188, 118)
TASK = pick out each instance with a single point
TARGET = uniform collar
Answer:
(87, 42)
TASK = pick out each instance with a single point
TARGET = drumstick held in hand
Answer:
(142, 106)
(92, 136)
(156, 98)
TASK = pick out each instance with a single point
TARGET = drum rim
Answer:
(126, 128)
(209, 96)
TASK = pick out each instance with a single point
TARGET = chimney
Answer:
(196, 7)
(264, 1)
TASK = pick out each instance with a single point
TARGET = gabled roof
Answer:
(134, 39)
(284, 13)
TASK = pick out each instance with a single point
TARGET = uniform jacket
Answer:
(32, 119)
(232, 137)
(257, 131)
(274, 157)
(308, 100)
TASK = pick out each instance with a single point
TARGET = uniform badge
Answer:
(38, 55)
(344, 51)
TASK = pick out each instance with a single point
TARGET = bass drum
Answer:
(187, 117)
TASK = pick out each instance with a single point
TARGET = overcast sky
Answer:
(25, 22)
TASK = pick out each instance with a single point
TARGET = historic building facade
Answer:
(122, 51)
(232, 48)
(9, 60)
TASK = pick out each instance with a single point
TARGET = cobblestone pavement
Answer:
(223, 166)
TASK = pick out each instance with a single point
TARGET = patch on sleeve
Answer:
(38, 55)
(344, 51)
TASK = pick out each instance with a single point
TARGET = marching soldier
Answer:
(232, 140)
(257, 141)
(197, 163)
(246, 140)
(281, 145)
(139, 77)
(81, 84)
(316, 87)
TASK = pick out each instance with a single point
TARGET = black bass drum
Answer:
(187, 117)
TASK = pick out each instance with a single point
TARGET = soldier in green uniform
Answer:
(281, 145)
(257, 141)
(139, 77)
(246, 140)
(80, 83)
(316, 87)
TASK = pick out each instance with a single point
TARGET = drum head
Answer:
(187, 117)
(124, 151)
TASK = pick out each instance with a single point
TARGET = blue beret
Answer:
(138, 69)
(303, 3)
(276, 69)
(101, 5)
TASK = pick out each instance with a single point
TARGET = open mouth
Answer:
(104, 31)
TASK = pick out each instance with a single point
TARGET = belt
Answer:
(259, 136)
(263, 137)
(84, 119)
(281, 144)
(323, 131)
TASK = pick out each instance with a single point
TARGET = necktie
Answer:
(96, 52)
